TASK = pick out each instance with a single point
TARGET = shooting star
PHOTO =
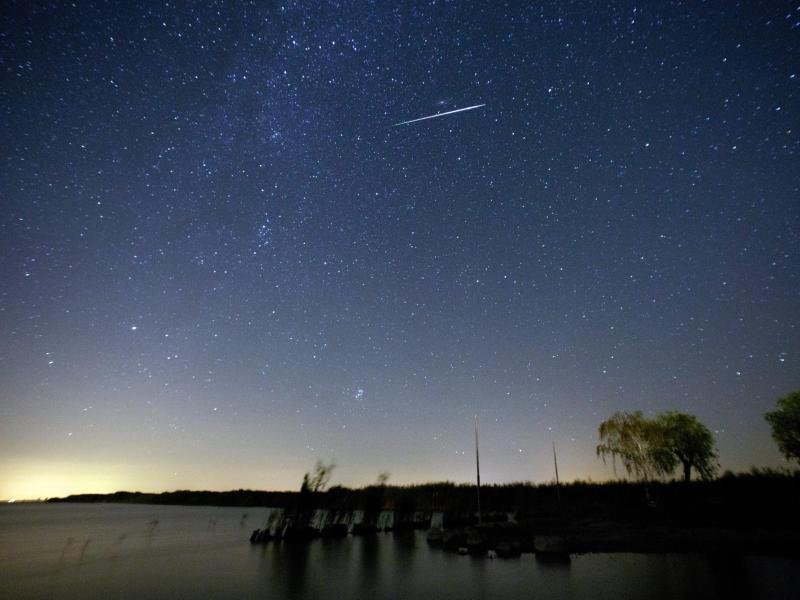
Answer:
(449, 112)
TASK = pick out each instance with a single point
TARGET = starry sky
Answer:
(221, 261)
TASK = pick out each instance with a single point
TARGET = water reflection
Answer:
(369, 558)
(288, 573)
(554, 561)
(730, 576)
(161, 552)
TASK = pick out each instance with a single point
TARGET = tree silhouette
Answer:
(629, 438)
(682, 438)
(785, 423)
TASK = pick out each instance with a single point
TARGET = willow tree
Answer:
(682, 439)
(632, 440)
(785, 423)
(627, 437)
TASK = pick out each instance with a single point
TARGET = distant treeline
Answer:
(189, 498)
(759, 498)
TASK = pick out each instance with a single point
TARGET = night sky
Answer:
(220, 261)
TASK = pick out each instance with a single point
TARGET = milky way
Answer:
(220, 261)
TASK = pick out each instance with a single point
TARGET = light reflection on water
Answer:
(130, 551)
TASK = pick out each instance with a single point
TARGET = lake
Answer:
(147, 551)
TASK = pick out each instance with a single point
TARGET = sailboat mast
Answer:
(478, 469)
(555, 462)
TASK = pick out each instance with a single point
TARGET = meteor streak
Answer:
(449, 112)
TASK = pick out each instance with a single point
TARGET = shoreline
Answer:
(749, 513)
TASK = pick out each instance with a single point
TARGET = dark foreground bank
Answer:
(753, 513)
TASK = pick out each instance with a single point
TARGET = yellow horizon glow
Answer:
(39, 480)
(35, 478)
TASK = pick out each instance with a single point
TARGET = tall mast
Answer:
(478, 469)
(555, 462)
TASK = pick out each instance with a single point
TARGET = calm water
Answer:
(128, 551)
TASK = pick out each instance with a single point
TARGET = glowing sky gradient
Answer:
(221, 261)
